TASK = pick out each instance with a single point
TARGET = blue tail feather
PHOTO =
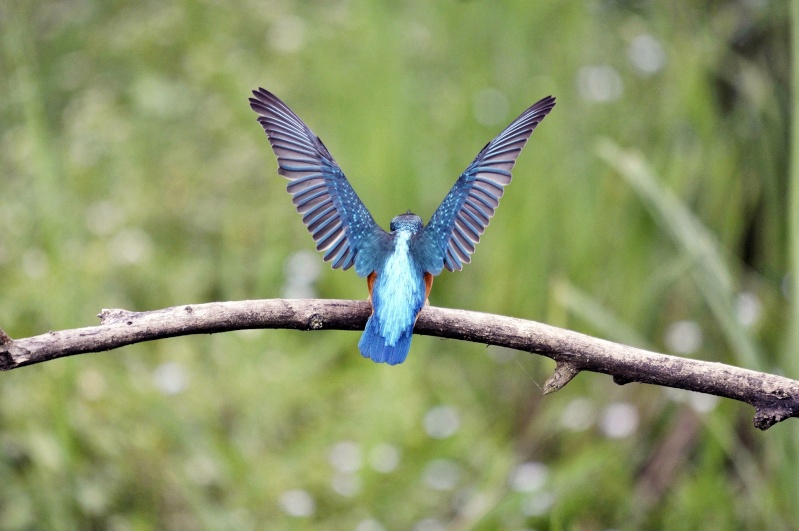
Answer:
(372, 345)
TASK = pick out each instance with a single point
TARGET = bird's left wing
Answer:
(448, 240)
(339, 222)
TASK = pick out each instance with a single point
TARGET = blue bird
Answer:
(399, 265)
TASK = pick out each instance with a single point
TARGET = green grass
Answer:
(133, 175)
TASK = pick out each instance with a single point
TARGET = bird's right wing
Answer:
(448, 240)
(339, 222)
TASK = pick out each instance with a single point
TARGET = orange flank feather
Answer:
(370, 282)
(428, 285)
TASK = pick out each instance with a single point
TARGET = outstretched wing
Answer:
(339, 222)
(458, 223)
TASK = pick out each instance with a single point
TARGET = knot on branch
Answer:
(564, 372)
(6, 359)
(316, 322)
(779, 394)
(777, 404)
(4, 338)
(11, 355)
(114, 316)
(621, 380)
(767, 416)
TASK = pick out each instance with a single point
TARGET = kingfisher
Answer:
(398, 265)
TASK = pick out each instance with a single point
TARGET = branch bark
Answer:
(775, 398)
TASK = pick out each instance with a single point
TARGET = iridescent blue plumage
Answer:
(398, 294)
(460, 220)
(340, 224)
(400, 265)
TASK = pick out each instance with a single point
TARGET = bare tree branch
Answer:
(775, 398)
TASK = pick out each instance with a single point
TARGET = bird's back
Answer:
(398, 295)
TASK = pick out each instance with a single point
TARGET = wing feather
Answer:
(460, 220)
(339, 222)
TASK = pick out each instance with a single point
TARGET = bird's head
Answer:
(407, 222)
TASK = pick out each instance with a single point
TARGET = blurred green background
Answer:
(651, 207)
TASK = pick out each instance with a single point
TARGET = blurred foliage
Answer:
(650, 207)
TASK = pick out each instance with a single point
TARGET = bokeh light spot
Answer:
(441, 422)
(345, 456)
(130, 246)
(170, 378)
(35, 263)
(529, 477)
(103, 217)
(599, 83)
(578, 415)
(683, 337)
(384, 458)
(538, 504)
(297, 503)
(347, 485)
(646, 54)
(287, 34)
(619, 420)
(442, 474)
(748, 308)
